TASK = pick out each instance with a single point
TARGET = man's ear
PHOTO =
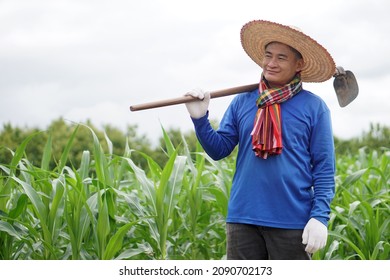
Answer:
(300, 64)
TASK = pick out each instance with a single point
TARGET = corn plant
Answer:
(62, 213)
(171, 202)
(108, 207)
(360, 219)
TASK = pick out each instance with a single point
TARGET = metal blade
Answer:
(346, 87)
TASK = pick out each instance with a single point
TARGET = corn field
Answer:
(107, 207)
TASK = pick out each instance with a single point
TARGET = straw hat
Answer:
(255, 35)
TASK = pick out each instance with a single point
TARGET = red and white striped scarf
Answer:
(267, 130)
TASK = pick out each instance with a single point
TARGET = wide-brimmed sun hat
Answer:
(318, 63)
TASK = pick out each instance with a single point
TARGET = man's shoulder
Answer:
(246, 96)
(310, 97)
(306, 101)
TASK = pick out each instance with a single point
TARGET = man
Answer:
(284, 180)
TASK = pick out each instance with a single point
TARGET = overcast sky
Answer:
(92, 59)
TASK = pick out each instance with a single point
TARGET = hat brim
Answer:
(318, 63)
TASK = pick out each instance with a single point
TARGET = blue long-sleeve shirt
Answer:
(282, 191)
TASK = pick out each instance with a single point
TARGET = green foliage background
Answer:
(74, 192)
(375, 138)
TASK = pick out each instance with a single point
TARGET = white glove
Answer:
(314, 235)
(198, 108)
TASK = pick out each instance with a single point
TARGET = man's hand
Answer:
(198, 108)
(314, 235)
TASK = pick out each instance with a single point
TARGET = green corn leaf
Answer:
(42, 215)
(332, 248)
(20, 207)
(354, 177)
(161, 190)
(101, 164)
(103, 226)
(378, 247)
(47, 152)
(65, 153)
(350, 243)
(109, 197)
(385, 254)
(55, 213)
(115, 243)
(166, 195)
(168, 142)
(109, 144)
(35, 199)
(127, 254)
(19, 153)
(145, 183)
(8, 228)
(84, 165)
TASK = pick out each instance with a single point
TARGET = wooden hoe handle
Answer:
(185, 99)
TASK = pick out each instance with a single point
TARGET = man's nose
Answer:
(272, 62)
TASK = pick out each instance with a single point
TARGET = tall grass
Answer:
(107, 207)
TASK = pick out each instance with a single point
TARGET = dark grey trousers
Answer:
(250, 242)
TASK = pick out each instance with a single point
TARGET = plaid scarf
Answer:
(267, 130)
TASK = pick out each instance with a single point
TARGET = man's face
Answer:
(280, 64)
